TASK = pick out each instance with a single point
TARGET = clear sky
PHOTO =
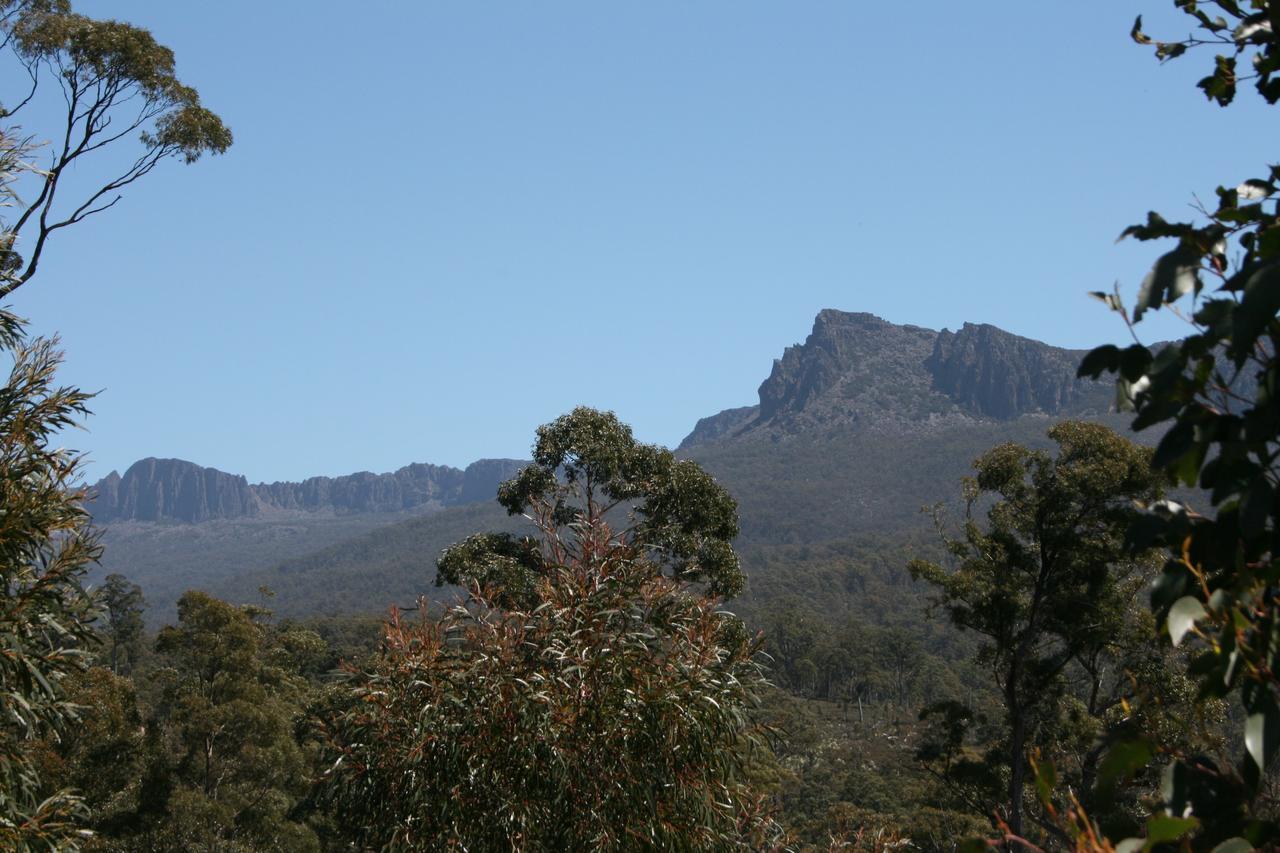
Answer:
(443, 224)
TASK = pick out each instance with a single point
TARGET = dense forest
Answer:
(1073, 649)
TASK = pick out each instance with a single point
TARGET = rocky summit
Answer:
(857, 369)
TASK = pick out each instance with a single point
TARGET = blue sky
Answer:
(443, 224)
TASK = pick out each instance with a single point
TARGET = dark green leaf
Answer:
(1099, 360)
(1164, 828)
(1123, 760)
(1174, 275)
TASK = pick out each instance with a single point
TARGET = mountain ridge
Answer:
(855, 368)
(176, 490)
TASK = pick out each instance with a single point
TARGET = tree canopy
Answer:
(581, 697)
(589, 472)
(115, 81)
(1047, 580)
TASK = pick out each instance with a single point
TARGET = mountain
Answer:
(173, 490)
(171, 525)
(859, 371)
(855, 430)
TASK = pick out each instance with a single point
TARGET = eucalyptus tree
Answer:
(1046, 580)
(1214, 394)
(122, 603)
(46, 547)
(587, 694)
(114, 81)
(232, 771)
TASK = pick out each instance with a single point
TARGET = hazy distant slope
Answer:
(393, 564)
(833, 482)
(168, 559)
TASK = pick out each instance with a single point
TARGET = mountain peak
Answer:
(857, 368)
(172, 490)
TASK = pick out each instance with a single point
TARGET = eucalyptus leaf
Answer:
(1174, 275)
(1163, 828)
(1233, 845)
(1255, 729)
(1182, 617)
(1254, 189)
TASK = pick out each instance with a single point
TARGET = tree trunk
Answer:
(1017, 767)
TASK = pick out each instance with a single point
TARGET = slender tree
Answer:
(1047, 580)
(588, 469)
(114, 81)
(123, 604)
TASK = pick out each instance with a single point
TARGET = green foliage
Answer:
(123, 604)
(115, 80)
(855, 660)
(104, 755)
(587, 466)
(1245, 29)
(1047, 583)
(609, 717)
(847, 779)
(45, 547)
(231, 693)
(203, 748)
(582, 698)
(1215, 392)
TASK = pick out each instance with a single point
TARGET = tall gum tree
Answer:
(1047, 579)
(587, 694)
(115, 82)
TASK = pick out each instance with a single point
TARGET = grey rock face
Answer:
(172, 490)
(179, 491)
(860, 369)
(867, 363)
(480, 480)
(719, 426)
(991, 372)
(410, 486)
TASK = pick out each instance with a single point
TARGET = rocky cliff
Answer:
(857, 369)
(174, 490)
(410, 486)
(715, 427)
(991, 372)
(854, 362)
